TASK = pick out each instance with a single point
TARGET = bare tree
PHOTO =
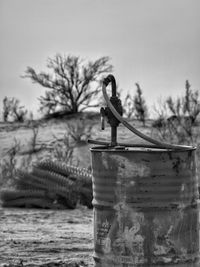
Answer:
(188, 106)
(128, 106)
(73, 85)
(191, 105)
(13, 109)
(140, 105)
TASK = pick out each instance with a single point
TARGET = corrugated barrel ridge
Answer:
(161, 179)
(145, 207)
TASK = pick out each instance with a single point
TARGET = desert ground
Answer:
(36, 237)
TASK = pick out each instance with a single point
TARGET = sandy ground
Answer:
(46, 236)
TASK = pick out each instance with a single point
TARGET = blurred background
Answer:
(154, 43)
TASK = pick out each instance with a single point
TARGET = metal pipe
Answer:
(134, 130)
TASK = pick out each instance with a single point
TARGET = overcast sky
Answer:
(153, 42)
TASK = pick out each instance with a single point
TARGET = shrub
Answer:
(13, 110)
(177, 119)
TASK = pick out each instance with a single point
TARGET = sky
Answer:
(154, 43)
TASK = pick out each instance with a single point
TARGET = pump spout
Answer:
(107, 113)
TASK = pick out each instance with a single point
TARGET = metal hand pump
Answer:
(113, 113)
(107, 113)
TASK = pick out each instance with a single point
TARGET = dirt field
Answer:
(46, 236)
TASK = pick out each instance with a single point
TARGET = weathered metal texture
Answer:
(145, 207)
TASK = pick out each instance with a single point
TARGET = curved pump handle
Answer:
(107, 113)
(113, 112)
(107, 80)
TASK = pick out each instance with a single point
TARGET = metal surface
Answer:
(107, 113)
(145, 207)
(113, 109)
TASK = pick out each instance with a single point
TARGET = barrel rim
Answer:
(143, 149)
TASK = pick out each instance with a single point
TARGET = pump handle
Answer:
(107, 113)
(115, 113)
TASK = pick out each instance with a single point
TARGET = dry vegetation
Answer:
(65, 141)
(62, 143)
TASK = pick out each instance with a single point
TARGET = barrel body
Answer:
(145, 207)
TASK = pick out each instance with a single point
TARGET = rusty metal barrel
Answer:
(145, 199)
(145, 207)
